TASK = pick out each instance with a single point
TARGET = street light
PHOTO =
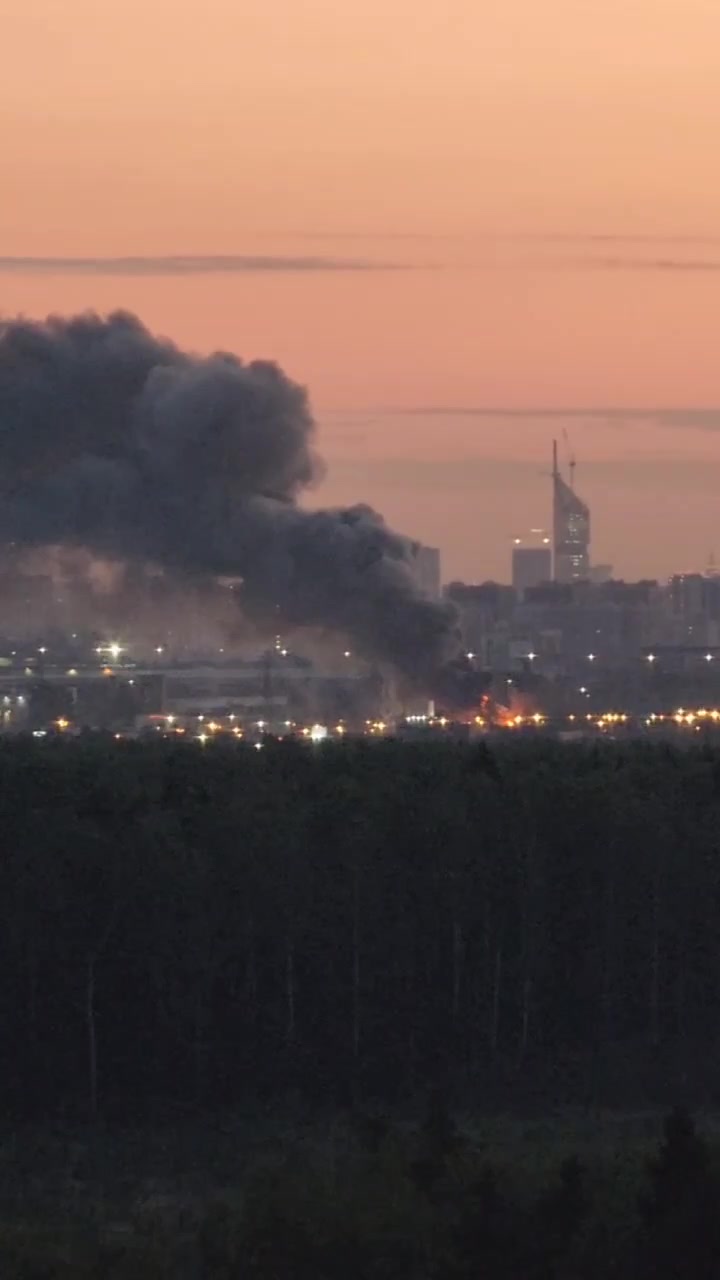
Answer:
(591, 657)
(708, 657)
(651, 657)
(532, 657)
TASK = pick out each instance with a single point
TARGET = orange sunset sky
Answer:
(465, 225)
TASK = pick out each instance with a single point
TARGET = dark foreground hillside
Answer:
(243, 992)
(364, 1197)
(188, 928)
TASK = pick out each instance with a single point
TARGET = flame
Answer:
(521, 710)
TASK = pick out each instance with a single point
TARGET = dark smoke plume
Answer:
(119, 442)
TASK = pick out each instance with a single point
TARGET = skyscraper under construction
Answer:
(571, 528)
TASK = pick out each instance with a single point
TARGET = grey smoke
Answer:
(119, 442)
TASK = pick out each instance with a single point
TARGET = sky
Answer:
(466, 227)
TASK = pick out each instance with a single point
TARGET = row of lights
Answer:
(516, 721)
(592, 657)
(681, 716)
(652, 657)
(319, 733)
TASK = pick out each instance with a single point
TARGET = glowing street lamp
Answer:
(591, 657)
(708, 657)
(651, 658)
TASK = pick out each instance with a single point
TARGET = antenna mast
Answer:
(571, 460)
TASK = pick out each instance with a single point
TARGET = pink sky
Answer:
(531, 190)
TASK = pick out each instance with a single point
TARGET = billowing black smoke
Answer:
(117, 441)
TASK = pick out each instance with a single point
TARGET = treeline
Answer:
(381, 1201)
(186, 928)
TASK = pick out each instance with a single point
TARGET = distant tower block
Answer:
(571, 529)
(531, 562)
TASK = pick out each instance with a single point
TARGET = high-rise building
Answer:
(687, 593)
(483, 607)
(531, 564)
(571, 529)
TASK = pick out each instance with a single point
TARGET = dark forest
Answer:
(384, 935)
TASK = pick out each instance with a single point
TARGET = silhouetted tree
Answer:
(681, 1211)
(560, 1215)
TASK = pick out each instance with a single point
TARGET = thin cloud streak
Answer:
(612, 237)
(507, 237)
(474, 473)
(236, 264)
(705, 418)
(169, 265)
(651, 264)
